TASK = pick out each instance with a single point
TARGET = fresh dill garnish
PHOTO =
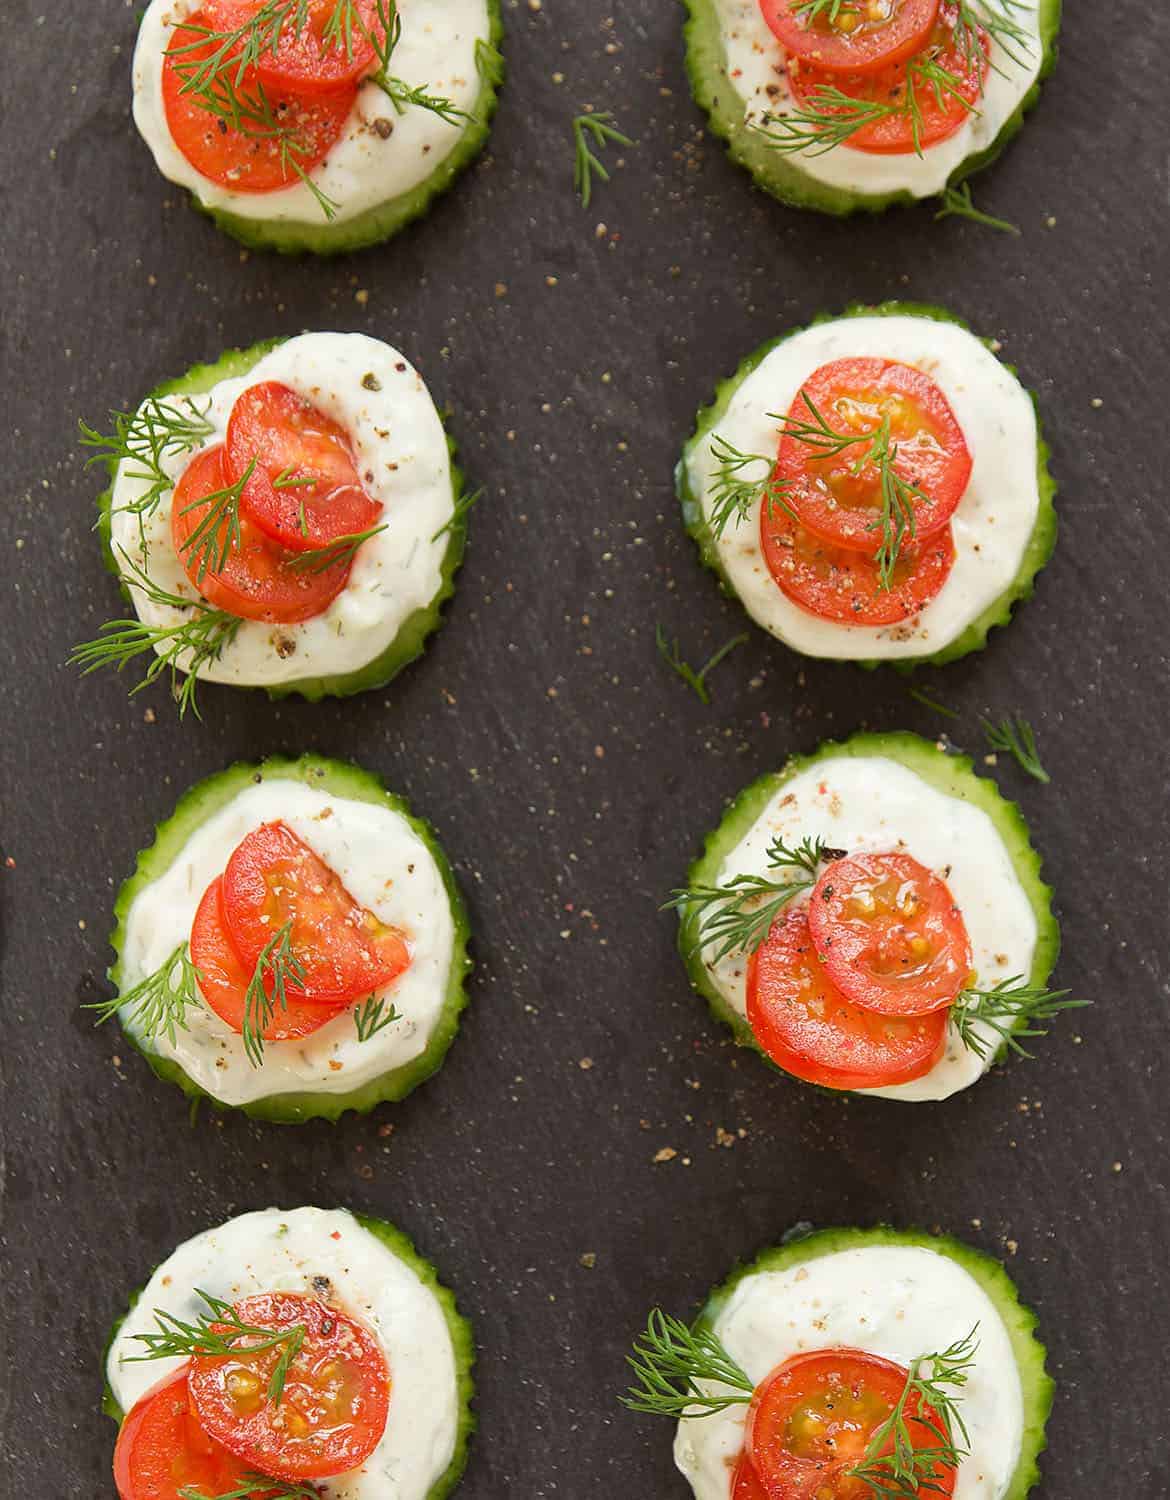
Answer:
(371, 1016)
(180, 649)
(141, 441)
(253, 1487)
(1014, 736)
(733, 497)
(810, 11)
(340, 549)
(157, 1005)
(586, 162)
(921, 696)
(668, 1361)
(290, 479)
(276, 968)
(218, 1332)
(1002, 1009)
(957, 202)
(208, 545)
(464, 503)
(996, 18)
(670, 654)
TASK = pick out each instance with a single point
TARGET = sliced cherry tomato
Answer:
(307, 61)
(889, 934)
(332, 1411)
(265, 156)
(840, 502)
(747, 1484)
(258, 581)
(813, 1419)
(345, 952)
(857, 36)
(224, 978)
(320, 495)
(943, 105)
(808, 1027)
(846, 586)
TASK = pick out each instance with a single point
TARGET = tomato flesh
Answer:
(303, 131)
(333, 1409)
(258, 580)
(747, 1484)
(842, 503)
(811, 1030)
(941, 110)
(862, 36)
(889, 934)
(272, 879)
(161, 1449)
(282, 437)
(813, 1419)
(304, 61)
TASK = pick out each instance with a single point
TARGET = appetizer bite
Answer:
(873, 488)
(841, 105)
(304, 1354)
(293, 943)
(872, 918)
(318, 125)
(287, 518)
(849, 1364)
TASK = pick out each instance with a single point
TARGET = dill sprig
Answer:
(1011, 1010)
(957, 202)
(180, 649)
(668, 1361)
(920, 695)
(1014, 736)
(142, 441)
(157, 1004)
(733, 497)
(209, 545)
(465, 502)
(810, 11)
(340, 549)
(253, 1487)
(586, 162)
(996, 18)
(276, 968)
(670, 654)
(371, 1016)
(220, 1331)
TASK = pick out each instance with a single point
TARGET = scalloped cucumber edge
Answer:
(1036, 1384)
(460, 1330)
(953, 775)
(410, 641)
(340, 779)
(777, 174)
(1037, 552)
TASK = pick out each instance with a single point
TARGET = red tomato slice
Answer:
(224, 978)
(941, 109)
(808, 1027)
(814, 1417)
(332, 1412)
(889, 934)
(845, 586)
(306, 129)
(258, 580)
(274, 878)
(841, 504)
(304, 62)
(290, 439)
(861, 37)
(747, 1484)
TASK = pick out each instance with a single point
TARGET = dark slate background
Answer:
(570, 775)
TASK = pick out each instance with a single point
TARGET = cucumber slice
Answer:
(780, 174)
(462, 1344)
(413, 633)
(953, 775)
(1036, 554)
(1035, 1383)
(340, 779)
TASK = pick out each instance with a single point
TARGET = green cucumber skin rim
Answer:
(1036, 1384)
(462, 1345)
(414, 632)
(999, 612)
(388, 218)
(706, 63)
(342, 779)
(952, 774)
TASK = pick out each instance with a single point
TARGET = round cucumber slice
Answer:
(780, 174)
(1035, 1383)
(1036, 553)
(462, 1344)
(953, 775)
(340, 779)
(410, 641)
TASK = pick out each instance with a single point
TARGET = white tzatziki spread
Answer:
(756, 69)
(874, 804)
(367, 166)
(992, 524)
(274, 1251)
(894, 1301)
(383, 864)
(400, 447)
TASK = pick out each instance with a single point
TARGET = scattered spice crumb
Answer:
(668, 1153)
(589, 1260)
